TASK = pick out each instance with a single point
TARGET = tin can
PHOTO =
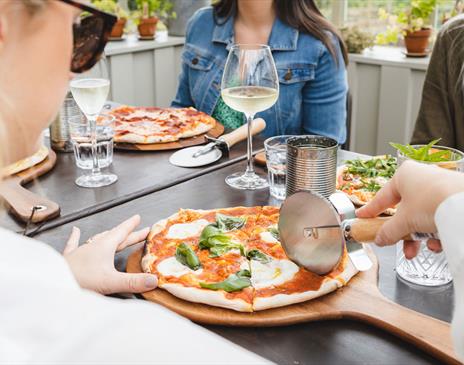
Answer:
(311, 165)
(60, 139)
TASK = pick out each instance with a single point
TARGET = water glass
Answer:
(276, 161)
(81, 140)
(428, 268)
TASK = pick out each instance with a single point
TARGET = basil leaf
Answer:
(424, 153)
(186, 256)
(209, 231)
(227, 223)
(274, 232)
(234, 282)
(214, 240)
(257, 255)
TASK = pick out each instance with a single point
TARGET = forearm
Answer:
(449, 219)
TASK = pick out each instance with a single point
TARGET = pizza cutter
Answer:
(313, 231)
(216, 148)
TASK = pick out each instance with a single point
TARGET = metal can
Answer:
(311, 164)
(60, 139)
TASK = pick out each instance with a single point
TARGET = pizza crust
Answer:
(329, 285)
(210, 297)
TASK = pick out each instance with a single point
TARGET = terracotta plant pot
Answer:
(418, 41)
(118, 28)
(147, 26)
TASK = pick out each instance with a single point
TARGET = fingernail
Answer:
(151, 281)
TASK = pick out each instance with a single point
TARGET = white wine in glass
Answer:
(90, 94)
(249, 85)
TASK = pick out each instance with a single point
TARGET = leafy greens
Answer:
(425, 153)
(257, 255)
(235, 282)
(186, 256)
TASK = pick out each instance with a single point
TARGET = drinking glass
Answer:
(90, 91)
(428, 268)
(276, 161)
(249, 85)
(82, 146)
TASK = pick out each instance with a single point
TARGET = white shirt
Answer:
(449, 219)
(45, 317)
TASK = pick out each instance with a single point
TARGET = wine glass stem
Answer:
(250, 169)
(93, 141)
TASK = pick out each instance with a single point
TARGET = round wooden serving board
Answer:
(360, 300)
(20, 200)
(215, 132)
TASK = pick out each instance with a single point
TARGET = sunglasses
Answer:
(91, 34)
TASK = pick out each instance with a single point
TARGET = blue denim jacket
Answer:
(313, 87)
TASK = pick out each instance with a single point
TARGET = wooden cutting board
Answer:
(360, 300)
(217, 131)
(20, 201)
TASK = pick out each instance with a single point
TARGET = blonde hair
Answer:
(32, 7)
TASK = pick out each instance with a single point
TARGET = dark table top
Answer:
(335, 342)
(139, 173)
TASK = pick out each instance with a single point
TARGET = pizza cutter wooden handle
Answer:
(365, 229)
(241, 133)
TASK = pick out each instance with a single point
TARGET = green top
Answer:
(228, 117)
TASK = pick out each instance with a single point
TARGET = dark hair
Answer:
(303, 15)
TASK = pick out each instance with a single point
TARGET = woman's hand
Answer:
(93, 262)
(419, 189)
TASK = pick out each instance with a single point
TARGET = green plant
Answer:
(425, 153)
(112, 7)
(414, 17)
(356, 40)
(149, 8)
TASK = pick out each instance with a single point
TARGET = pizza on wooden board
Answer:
(147, 125)
(361, 179)
(232, 258)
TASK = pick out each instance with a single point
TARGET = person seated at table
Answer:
(46, 315)
(437, 206)
(309, 53)
(441, 113)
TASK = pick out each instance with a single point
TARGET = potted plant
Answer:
(112, 6)
(412, 22)
(148, 13)
(356, 40)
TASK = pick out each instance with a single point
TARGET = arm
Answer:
(436, 113)
(324, 98)
(448, 219)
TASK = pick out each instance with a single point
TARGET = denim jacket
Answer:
(313, 87)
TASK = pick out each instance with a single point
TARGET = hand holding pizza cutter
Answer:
(216, 148)
(313, 231)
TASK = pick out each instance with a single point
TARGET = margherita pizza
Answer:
(232, 258)
(362, 179)
(147, 125)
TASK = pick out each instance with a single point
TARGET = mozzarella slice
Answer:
(172, 267)
(184, 230)
(273, 273)
(268, 237)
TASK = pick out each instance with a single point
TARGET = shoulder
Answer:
(316, 49)
(453, 27)
(202, 17)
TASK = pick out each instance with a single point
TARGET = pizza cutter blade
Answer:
(184, 157)
(213, 151)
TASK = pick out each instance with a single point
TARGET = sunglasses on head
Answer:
(91, 34)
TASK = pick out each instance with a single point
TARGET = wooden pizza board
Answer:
(184, 142)
(260, 159)
(20, 200)
(360, 300)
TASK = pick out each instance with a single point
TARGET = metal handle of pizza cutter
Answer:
(226, 141)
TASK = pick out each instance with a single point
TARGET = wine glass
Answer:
(90, 91)
(249, 85)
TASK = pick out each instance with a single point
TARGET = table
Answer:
(139, 173)
(340, 342)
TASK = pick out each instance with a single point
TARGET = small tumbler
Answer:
(311, 164)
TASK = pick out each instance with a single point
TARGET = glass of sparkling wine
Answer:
(249, 85)
(90, 93)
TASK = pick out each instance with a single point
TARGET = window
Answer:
(364, 13)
